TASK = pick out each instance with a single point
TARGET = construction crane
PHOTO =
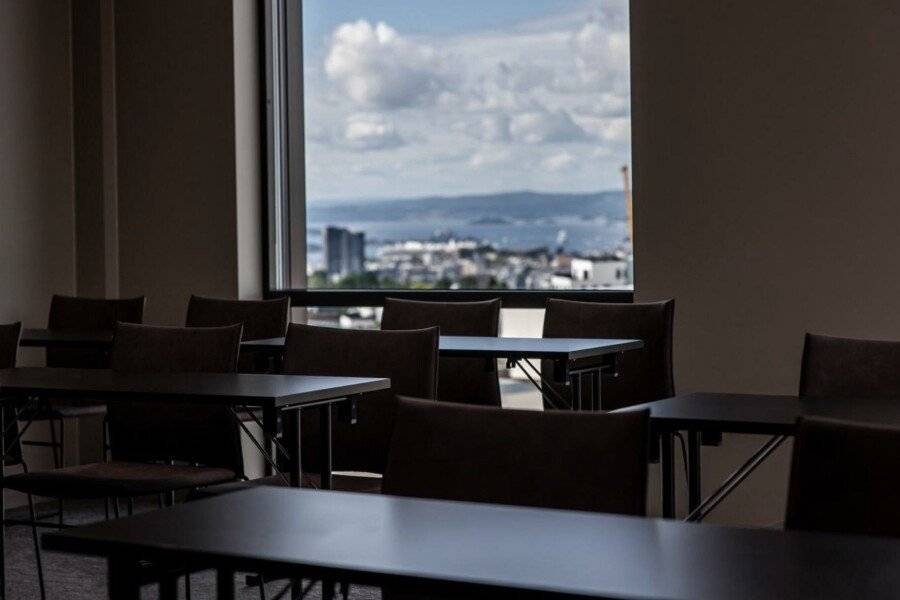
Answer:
(629, 209)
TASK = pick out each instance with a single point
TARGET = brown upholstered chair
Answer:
(844, 367)
(462, 380)
(80, 314)
(408, 358)
(844, 478)
(645, 375)
(481, 454)
(262, 319)
(146, 437)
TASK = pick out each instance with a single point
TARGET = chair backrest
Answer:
(463, 380)
(9, 346)
(844, 478)
(89, 314)
(646, 374)
(844, 367)
(262, 319)
(408, 358)
(549, 459)
(190, 432)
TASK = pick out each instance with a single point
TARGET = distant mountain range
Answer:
(477, 209)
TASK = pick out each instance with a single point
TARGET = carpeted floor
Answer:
(71, 577)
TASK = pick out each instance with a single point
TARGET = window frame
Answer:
(284, 183)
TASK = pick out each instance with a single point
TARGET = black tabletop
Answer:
(509, 347)
(44, 338)
(377, 539)
(219, 388)
(774, 415)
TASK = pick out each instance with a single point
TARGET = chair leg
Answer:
(106, 508)
(54, 445)
(105, 435)
(37, 546)
(62, 463)
(262, 587)
(187, 586)
(345, 590)
(115, 503)
(130, 506)
(327, 589)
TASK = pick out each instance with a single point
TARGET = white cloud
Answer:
(559, 162)
(546, 127)
(365, 132)
(508, 107)
(489, 158)
(376, 67)
(495, 128)
(601, 55)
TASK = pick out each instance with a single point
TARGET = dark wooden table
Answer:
(774, 416)
(575, 360)
(479, 550)
(280, 397)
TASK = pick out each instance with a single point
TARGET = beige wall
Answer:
(37, 245)
(766, 149)
(179, 169)
(248, 166)
(37, 253)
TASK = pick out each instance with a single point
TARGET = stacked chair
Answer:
(645, 375)
(843, 478)
(843, 474)
(262, 319)
(80, 314)
(462, 380)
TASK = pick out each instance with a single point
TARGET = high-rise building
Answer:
(345, 251)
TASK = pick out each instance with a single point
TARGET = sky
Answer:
(409, 98)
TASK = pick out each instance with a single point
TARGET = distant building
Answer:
(601, 272)
(345, 251)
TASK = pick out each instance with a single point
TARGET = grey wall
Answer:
(767, 186)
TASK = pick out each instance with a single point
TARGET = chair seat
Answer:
(110, 479)
(341, 482)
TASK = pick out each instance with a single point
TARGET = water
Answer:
(580, 235)
(524, 220)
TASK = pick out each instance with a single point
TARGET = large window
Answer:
(465, 144)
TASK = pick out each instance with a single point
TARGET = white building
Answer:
(603, 272)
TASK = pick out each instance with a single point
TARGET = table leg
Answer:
(596, 390)
(293, 463)
(667, 468)
(693, 467)
(575, 386)
(2, 503)
(224, 584)
(270, 433)
(325, 448)
(168, 585)
(122, 579)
